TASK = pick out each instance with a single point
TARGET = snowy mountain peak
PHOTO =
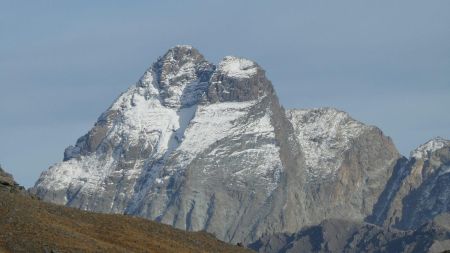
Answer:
(182, 77)
(237, 67)
(166, 150)
(430, 146)
(210, 148)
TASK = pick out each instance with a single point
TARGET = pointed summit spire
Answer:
(180, 76)
(178, 64)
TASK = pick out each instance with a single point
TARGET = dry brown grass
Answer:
(29, 225)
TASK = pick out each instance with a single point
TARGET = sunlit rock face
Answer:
(347, 163)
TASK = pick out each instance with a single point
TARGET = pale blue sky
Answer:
(62, 63)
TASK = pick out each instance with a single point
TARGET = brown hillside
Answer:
(29, 225)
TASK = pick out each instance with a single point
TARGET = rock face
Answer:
(346, 236)
(347, 163)
(205, 147)
(423, 188)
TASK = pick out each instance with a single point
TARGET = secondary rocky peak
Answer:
(324, 134)
(238, 79)
(238, 67)
(422, 187)
(424, 150)
(340, 149)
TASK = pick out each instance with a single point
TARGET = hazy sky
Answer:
(62, 63)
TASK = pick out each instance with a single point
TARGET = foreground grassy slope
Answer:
(30, 225)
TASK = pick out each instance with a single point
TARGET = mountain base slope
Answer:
(30, 225)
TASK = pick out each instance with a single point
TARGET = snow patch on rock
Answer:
(237, 67)
(212, 123)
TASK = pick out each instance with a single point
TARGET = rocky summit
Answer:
(208, 147)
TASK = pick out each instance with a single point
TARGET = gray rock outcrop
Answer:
(8, 184)
(336, 236)
(347, 163)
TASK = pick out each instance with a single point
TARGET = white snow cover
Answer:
(237, 67)
(145, 119)
(430, 146)
(213, 122)
(324, 134)
(144, 123)
(86, 172)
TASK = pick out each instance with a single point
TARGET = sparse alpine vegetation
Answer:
(30, 225)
